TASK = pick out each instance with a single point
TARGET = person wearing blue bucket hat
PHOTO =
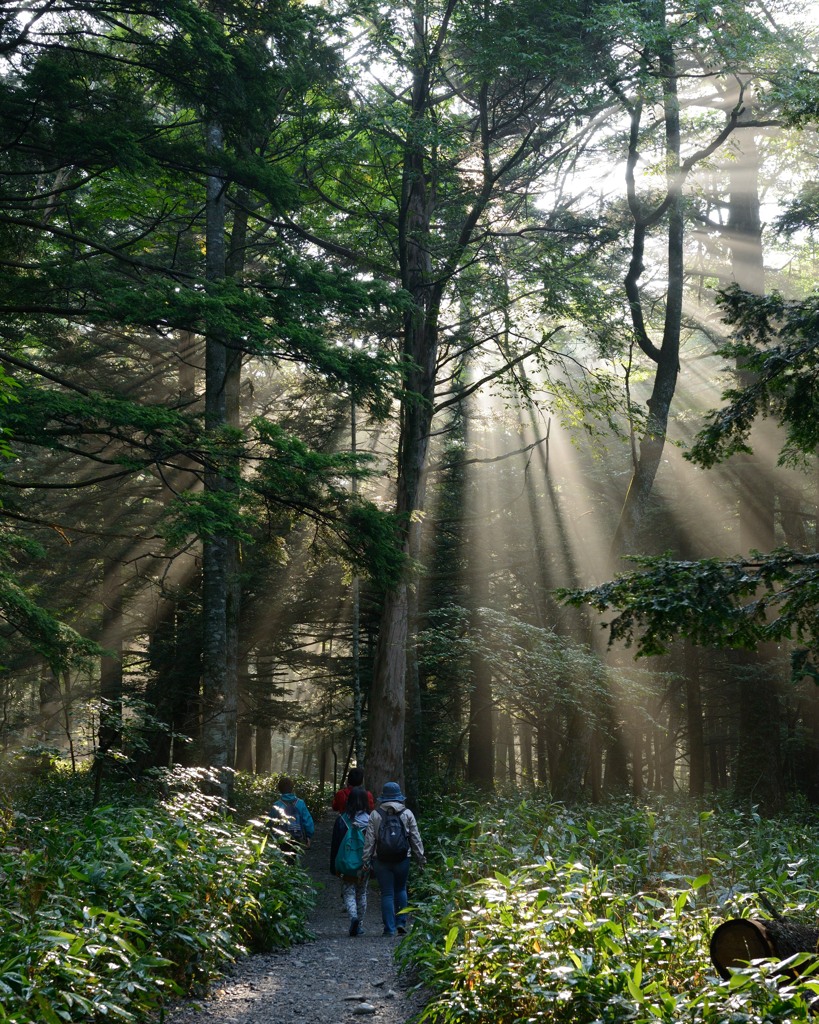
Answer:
(391, 842)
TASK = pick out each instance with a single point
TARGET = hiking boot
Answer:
(354, 927)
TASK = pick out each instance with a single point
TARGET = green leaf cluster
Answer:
(776, 347)
(536, 671)
(26, 618)
(531, 911)
(715, 602)
(110, 913)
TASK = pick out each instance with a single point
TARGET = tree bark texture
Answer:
(110, 731)
(759, 760)
(741, 939)
(217, 554)
(574, 759)
(481, 753)
(694, 722)
(481, 737)
(385, 756)
(667, 355)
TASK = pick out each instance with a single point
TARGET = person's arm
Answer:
(338, 832)
(306, 820)
(371, 801)
(414, 836)
(340, 801)
(370, 837)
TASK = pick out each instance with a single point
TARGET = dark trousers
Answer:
(392, 880)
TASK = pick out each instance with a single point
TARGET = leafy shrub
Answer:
(535, 912)
(106, 913)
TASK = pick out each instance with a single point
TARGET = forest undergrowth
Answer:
(537, 912)
(110, 912)
(528, 910)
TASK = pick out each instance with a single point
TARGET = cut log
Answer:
(790, 937)
(737, 941)
(741, 939)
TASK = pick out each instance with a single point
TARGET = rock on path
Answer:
(331, 980)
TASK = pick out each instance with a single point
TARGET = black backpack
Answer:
(392, 842)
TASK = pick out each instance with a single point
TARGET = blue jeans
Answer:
(392, 881)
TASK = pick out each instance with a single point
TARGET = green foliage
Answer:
(108, 913)
(7, 386)
(59, 644)
(802, 211)
(290, 480)
(48, 417)
(530, 911)
(104, 236)
(536, 671)
(206, 514)
(713, 602)
(776, 346)
(737, 603)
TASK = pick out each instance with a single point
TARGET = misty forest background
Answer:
(351, 351)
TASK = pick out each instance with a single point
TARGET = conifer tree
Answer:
(133, 241)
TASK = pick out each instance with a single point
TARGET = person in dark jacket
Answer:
(355, 777)
(292, 813)
(392, 875)
(353, 887)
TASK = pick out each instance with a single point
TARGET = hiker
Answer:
(292, 814)
(347, 857)
(355, 777)
(392, 837)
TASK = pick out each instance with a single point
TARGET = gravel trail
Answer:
(330, 980)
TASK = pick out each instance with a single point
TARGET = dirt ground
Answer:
(334, 978)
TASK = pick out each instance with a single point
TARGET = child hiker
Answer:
(347, 857)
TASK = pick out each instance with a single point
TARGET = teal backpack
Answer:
(350, 856)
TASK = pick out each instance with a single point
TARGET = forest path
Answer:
(327, 981)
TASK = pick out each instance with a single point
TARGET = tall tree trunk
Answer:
(574, 759)
(505, 749)
(413, 738)
(110, 731)
(49, 719)
(110, 727)
(668, 740)
(543, 734)
(527, 763)
(417, 240)
(667, 355)
(358, 696)
(217, 549)
(637, 777)
(694, 723)
(220, 556)
(759, 761)
(616, 778)
(264, 749)
(385, 755)
(387, 719)
(244, 723)
(481, 753)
